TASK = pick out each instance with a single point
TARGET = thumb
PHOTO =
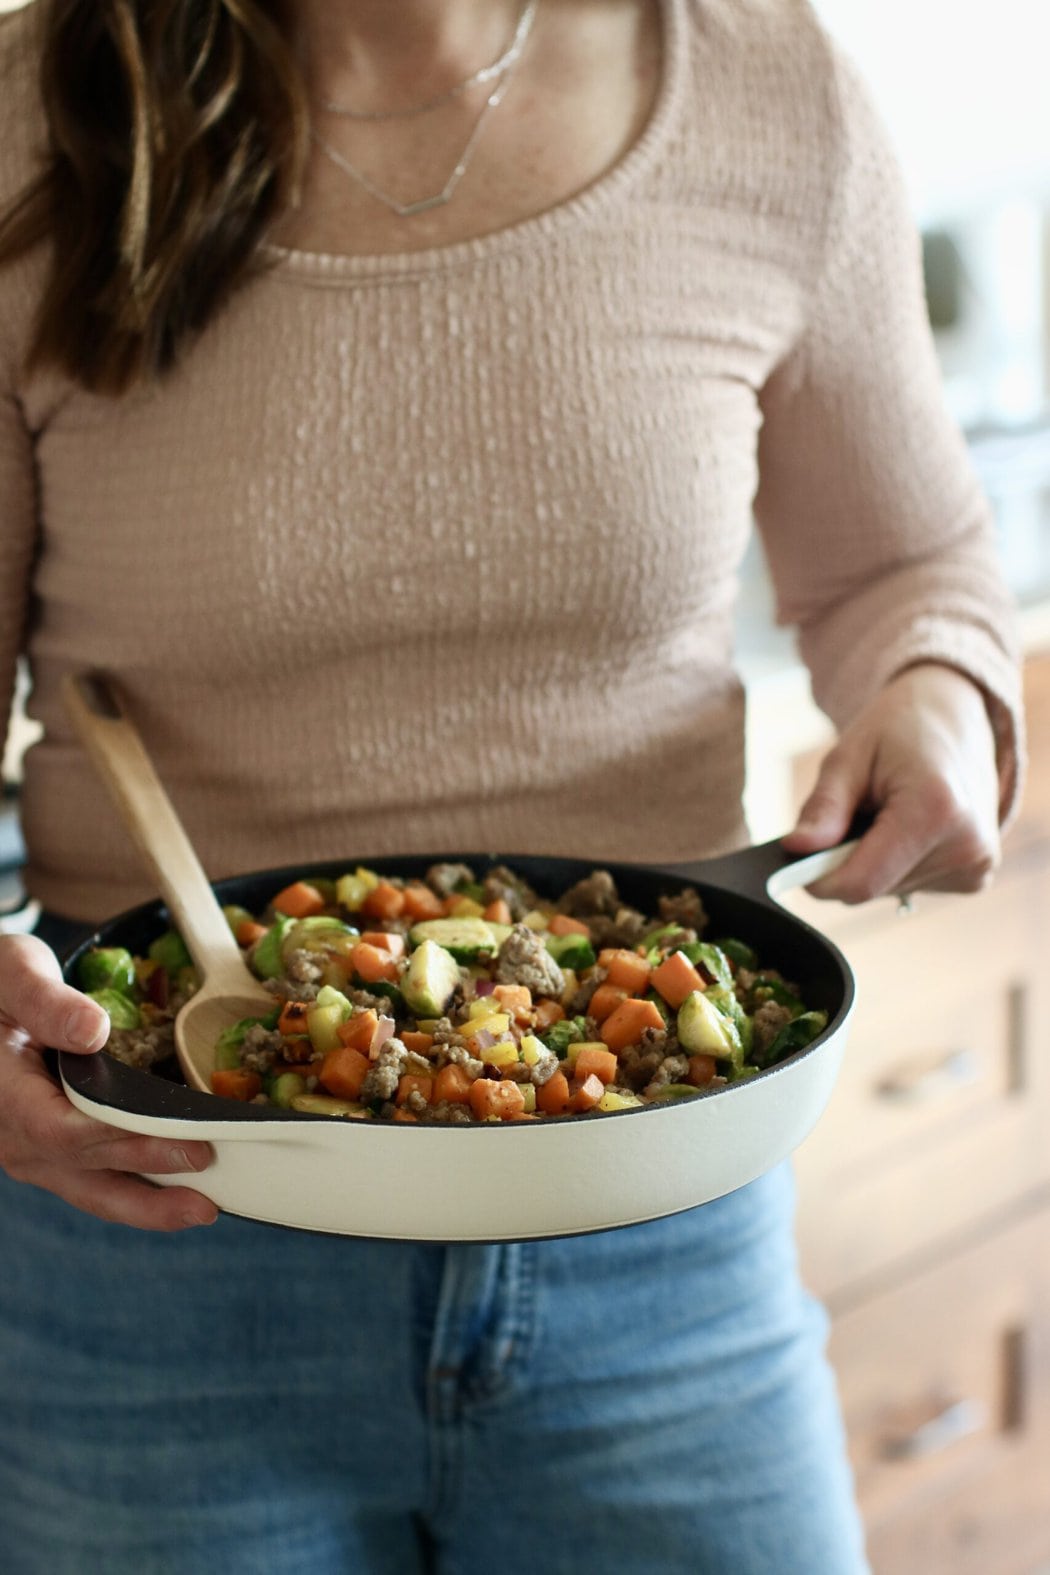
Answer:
(825, 817)
(34, 998)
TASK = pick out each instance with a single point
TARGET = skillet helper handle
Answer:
(768, 871)
(95, 707)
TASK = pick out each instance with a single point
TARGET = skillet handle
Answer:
(767, 871)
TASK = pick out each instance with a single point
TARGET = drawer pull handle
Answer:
(958, 1069)
(960, 1419)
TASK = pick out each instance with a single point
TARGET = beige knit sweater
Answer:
(439, 551)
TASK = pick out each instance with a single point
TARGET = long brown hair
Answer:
(177, 132)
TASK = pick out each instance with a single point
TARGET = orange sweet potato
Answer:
(238, 1083)
(248, 932)
(626, 1025)
(588, 1093)
(676, 978)
(515, 999)
(605, 1000)
(602, 1063)
(409, 1083)
(454, 1084)
(385, 941)
(421, 903)
(546, 1014)
(384, 901)
(293, 1018)
(371, 964)
(343, 1071)
(552, 1097)
(625, 969)
(489, 1098)
(358, 1031)
(300, 900)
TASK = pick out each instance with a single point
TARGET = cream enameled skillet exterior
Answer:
(525, 1179)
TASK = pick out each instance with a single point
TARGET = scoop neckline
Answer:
(337, 267)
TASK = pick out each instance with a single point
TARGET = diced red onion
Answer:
(157, 986)
(384, 1030)
(484, 986)
(484, 1040)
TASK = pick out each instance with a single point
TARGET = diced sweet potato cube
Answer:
(676, 978)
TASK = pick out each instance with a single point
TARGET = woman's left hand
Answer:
(922, 756)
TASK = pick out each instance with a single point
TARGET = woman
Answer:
(386, 392)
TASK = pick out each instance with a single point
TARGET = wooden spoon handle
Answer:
(96, 711)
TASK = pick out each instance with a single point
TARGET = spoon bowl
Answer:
(228, 991)
(204, 1017)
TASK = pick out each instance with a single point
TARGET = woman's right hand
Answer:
(44, 1140)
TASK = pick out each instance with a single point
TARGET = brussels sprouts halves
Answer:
(169, 950)
(121, 1012)
(107, 968)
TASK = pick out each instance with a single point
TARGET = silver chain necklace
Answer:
(485, 74)
(405, 210)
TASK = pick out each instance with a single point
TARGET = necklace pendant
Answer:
(407, 210)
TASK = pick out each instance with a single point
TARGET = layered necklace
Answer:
(498, 72)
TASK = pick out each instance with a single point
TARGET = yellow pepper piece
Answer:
(501, 1055)
(492, 1023)
(611, 1101)
(532, 1049)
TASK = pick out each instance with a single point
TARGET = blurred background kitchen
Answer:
(963, 90)
(924, 1194)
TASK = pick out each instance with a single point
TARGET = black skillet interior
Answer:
(782, 941)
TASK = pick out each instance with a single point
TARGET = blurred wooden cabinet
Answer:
(924, 1210)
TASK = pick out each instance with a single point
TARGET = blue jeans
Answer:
(652, 1401)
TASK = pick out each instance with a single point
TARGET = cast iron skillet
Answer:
(558, 1176)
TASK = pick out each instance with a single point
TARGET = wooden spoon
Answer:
(227, 990)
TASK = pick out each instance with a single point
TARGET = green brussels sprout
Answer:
(704, 1030)
(283, 1089)
(796, 1035)
(571, 951)
(107, 968)
(121, 1012)
(321, 934)
(739, 952)
(170, 951)
(569, 1031)
(712, 959)
(231, 1039)
(664, 940)
(660, 939)
(765, 988)
(726, 1000)
(676, 1091)
(383, 987)
(266, 954)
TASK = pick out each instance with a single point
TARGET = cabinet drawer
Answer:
(940, 1112)
(945, 1385)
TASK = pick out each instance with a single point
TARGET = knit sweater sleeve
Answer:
(879, 540)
